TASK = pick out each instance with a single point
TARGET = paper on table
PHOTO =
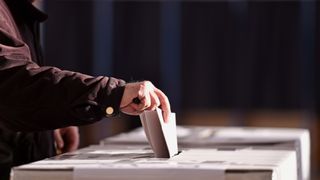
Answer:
(161, 136)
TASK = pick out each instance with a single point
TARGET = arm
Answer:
(38, 98)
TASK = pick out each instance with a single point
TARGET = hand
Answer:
(150, 97)
(67, 139)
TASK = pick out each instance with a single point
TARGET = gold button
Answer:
(109, 110)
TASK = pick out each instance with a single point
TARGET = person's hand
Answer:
(67, 139)
(150, 97)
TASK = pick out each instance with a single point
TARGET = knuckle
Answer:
(141, 93)
(147, 83)
(141, 86)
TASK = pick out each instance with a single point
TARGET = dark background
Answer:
(229, 57)
(238, 55)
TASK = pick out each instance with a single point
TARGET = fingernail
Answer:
(166, 119)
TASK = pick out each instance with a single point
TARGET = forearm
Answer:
(37, 98)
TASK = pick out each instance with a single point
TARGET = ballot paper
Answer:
(161, 136)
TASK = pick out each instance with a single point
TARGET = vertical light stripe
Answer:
(307, 54)
(102, 37)
(170, 51)
(307, 61)
(239, 10)
(42, 6)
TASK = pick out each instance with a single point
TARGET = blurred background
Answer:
(223, 63)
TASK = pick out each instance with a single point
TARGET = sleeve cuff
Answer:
(111, 107)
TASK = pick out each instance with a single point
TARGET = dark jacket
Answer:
(34, 98)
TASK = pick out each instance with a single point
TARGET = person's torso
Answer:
(23, 147)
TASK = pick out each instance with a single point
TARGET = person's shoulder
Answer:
(5, 16)
(10, 35)
(7, 23)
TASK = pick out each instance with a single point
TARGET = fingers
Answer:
(58, 139)
(145, 100)
(165, 105)
(72, 138)
(150, 97)
(131, 109)
(72, 146)
(67, 139)
(155, 102)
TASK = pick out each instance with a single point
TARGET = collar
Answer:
(26, 10)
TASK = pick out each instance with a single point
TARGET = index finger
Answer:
(165, 105)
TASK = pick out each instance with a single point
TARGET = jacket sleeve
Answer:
(34, 98)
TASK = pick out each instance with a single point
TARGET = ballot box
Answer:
(294, 139)
(123, 162)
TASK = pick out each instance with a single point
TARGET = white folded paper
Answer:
(161, 136)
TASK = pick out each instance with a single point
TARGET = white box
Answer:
(235, 137)
(137, 162)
